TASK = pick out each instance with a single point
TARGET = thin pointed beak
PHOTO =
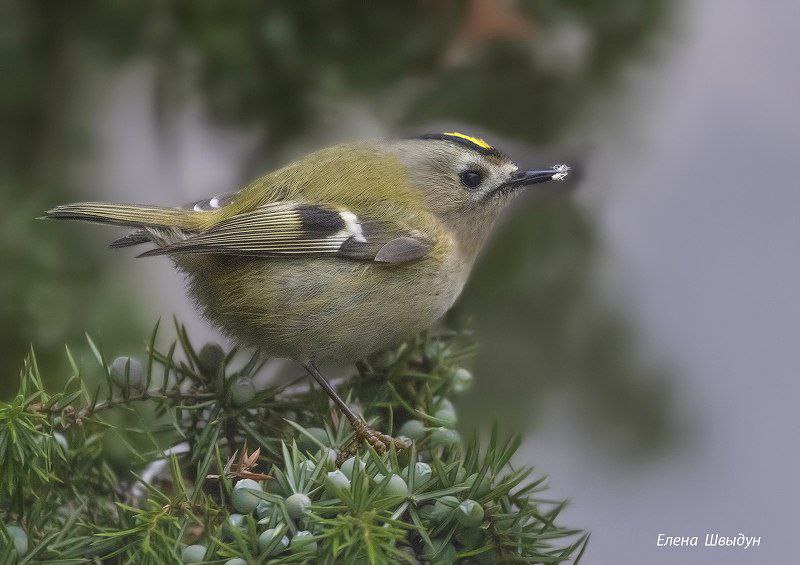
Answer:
(536, 176)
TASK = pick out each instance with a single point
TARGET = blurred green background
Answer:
(602, 316)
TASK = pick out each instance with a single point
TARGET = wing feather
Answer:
(293, 229)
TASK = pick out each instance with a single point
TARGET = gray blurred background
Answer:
(641, 331)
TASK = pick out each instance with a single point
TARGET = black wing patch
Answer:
(320, 221)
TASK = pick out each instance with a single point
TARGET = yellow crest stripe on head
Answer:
(476, 140)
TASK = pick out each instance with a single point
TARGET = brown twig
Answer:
(72, 415)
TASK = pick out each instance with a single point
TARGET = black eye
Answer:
(471, 179)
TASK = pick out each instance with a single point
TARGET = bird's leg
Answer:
(379, 441)
(362, 367)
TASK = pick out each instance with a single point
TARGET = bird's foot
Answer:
(380, 442)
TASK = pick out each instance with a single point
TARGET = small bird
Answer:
(347, 251)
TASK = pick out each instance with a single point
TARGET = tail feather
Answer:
(128, 215)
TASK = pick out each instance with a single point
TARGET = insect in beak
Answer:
(535, 176)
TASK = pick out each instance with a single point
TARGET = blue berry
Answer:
(20, 539)
(242, 498)
(127, 371)
(413, 429)
(193, 554)
(297, 505)
(348, 466)
(469, 513)
(242, 391)
(303, 541)
(269, 544)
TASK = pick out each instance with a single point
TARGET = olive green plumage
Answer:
(343, 252)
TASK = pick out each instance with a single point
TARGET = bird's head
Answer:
(465, 181)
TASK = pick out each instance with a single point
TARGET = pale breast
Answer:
(329, 309)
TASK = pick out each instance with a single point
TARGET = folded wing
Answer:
(287, 229)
